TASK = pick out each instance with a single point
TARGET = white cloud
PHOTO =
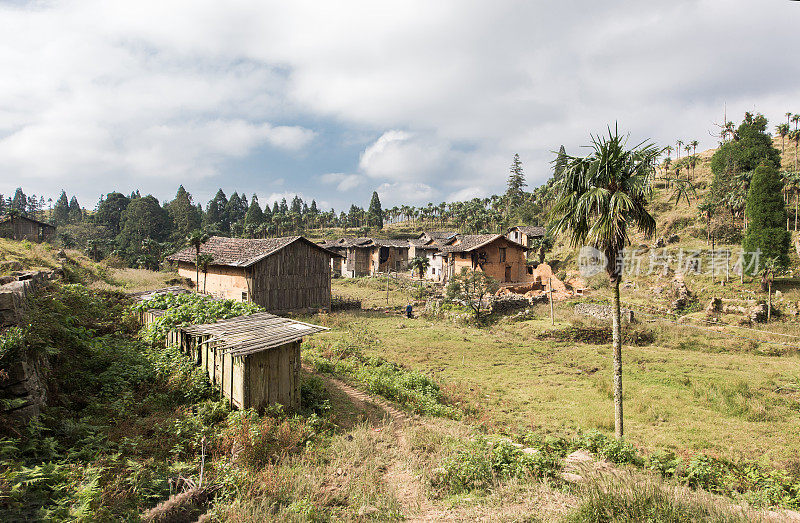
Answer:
(466, 193)
(102, 92)
(343, 182)
(405, 192)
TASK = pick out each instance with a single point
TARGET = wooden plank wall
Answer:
(296, 278)
(258, 380)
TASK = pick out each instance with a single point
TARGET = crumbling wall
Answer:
(603, 312)
(23, 381)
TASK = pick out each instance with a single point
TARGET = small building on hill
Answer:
(525, 234)
(289, 274)
(368, 256)
(24, 228)
(493, 254)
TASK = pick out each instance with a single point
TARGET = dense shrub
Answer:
(188, 309)
(483, 463)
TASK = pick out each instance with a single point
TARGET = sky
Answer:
(421, 101)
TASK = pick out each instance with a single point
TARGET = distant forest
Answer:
(140, 230)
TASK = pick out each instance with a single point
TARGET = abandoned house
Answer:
(289, 274)
(493, 254)
(525, 234)
(428, 245)
(254, 360)
(429, 238)
(368, 256)
(24, 228)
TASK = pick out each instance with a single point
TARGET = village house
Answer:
(493, 254)
(428, 245)
(288, 274)
(525, 234)
(368, 256)
(24, 228)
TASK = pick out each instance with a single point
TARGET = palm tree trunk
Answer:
(617, 347)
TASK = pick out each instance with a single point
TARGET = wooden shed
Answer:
(290, 274)
(24, 228)
(254, 360)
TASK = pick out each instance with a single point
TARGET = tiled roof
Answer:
(530, 230)
(403, 244)
(7, 217)
(470, 242)
(440, 235)
(363, 243)
(240, 252)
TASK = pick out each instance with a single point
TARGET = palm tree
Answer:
(419, 264)
(597, 198)
(684, 189)
(196, 239)
(795, 137)
(205, 260)
(795, 120)
(679, 143)
(788, 117)
(783, 130)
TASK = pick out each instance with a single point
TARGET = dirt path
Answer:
(402, 481)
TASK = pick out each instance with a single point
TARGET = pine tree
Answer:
(216, 217)
(275, 208)
(75, 211)
(20, 202)
(375, 212)
(234, 209)
(61, 210)
(183, 213)
(297, 205)
(766, 215)
(516, 184)
(255, 216)
(284, 206)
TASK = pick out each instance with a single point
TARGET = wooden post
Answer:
(550, 292)
(388, 275)
(727, 265)
(713, 260)
(769, 299)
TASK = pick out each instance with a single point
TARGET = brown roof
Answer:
(402, 244)
(470, 242)
(439, 235)
(364, 243)
(530, 230)
(7, 217)
(240, 252)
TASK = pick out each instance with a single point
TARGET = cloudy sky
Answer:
(419, 100)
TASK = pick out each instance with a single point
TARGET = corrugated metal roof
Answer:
(258, 332)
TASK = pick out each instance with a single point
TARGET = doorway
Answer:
(508, 273)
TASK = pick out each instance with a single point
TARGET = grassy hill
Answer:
(78, 268)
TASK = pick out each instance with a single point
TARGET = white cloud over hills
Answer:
(158, 93)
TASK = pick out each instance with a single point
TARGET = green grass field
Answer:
(691, 390)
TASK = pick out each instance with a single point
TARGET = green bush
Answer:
(188, 309)
(482, 464)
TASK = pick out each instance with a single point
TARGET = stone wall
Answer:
(602, 312)
(23, 381)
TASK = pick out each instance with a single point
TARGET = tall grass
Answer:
(627, 497)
